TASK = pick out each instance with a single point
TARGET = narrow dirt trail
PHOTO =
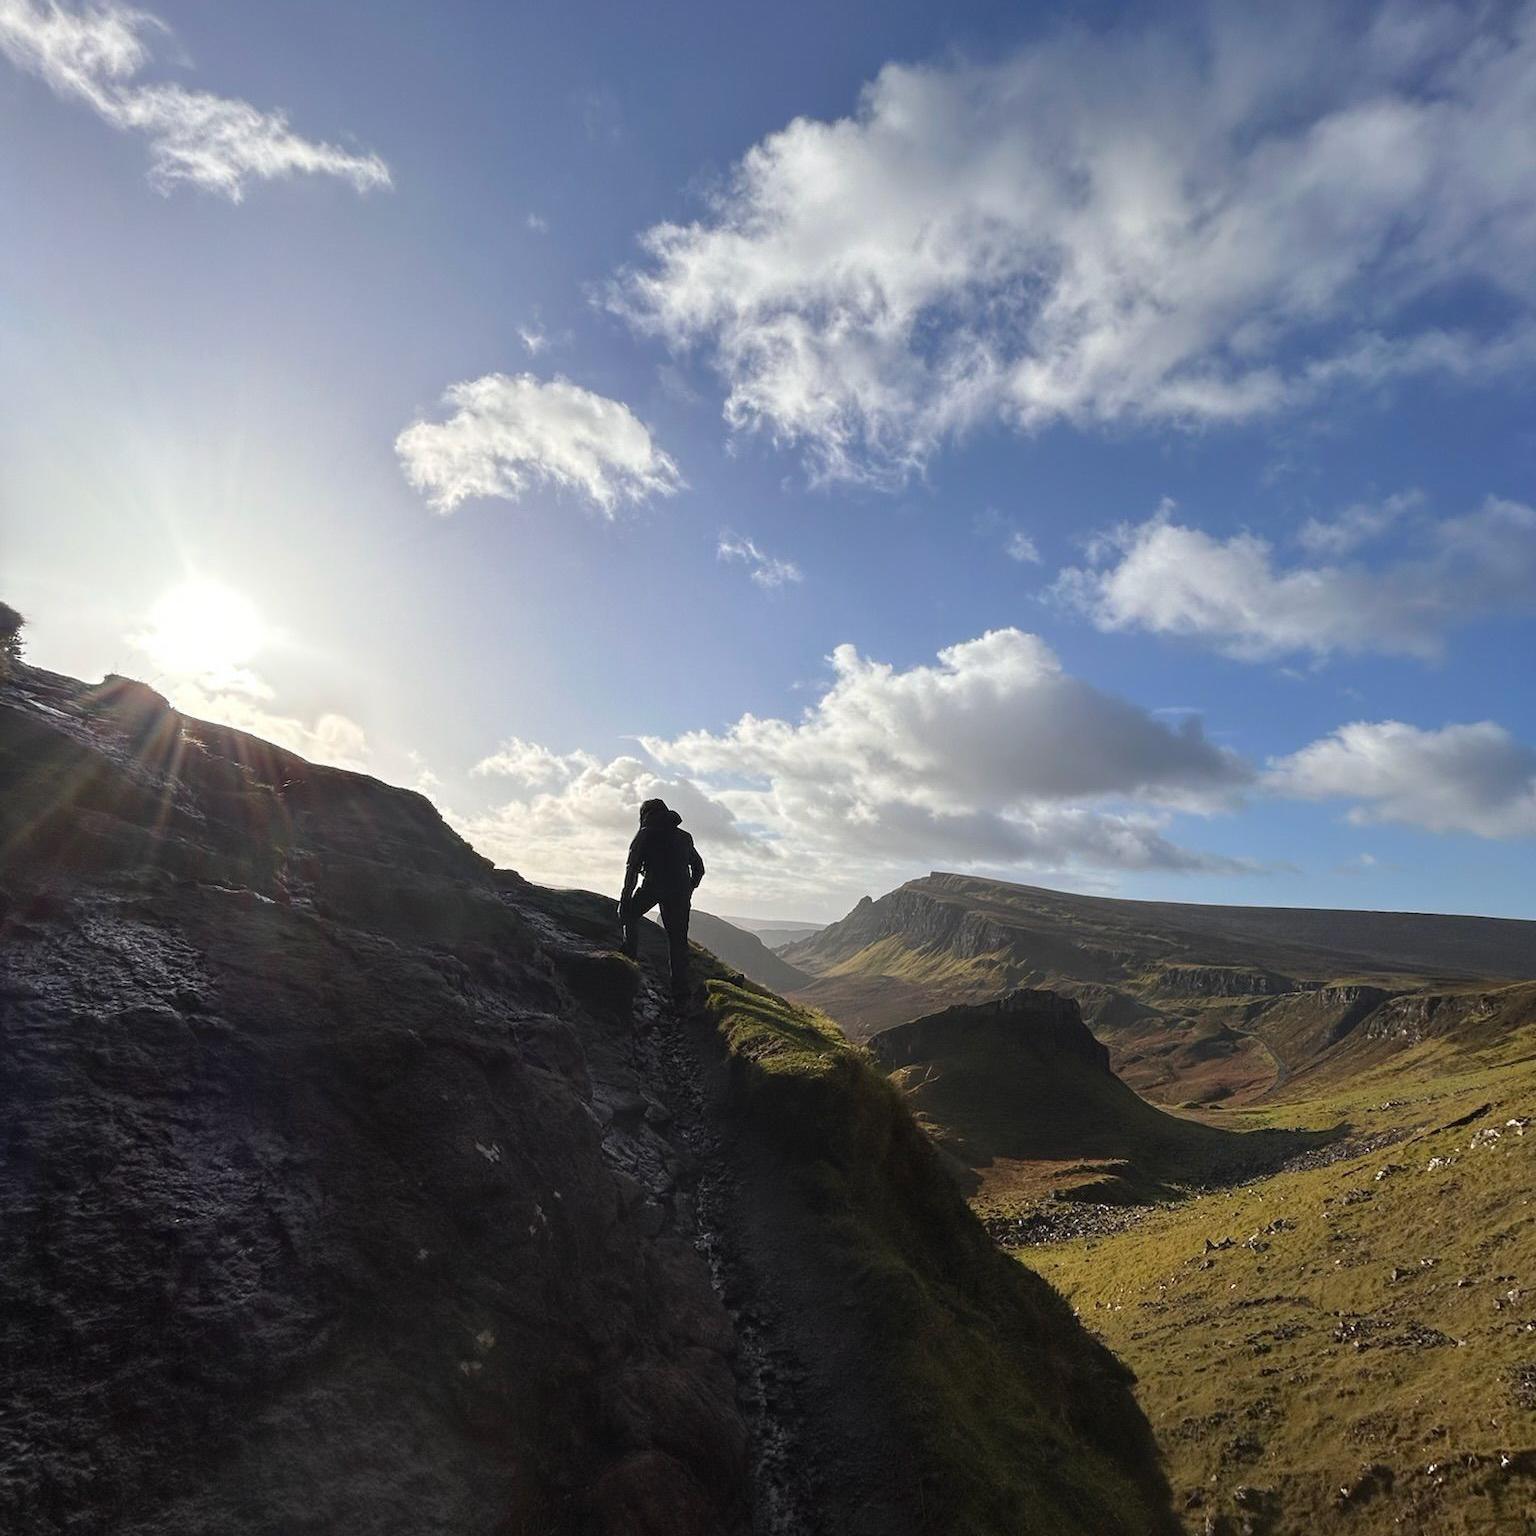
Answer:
(663, 1130)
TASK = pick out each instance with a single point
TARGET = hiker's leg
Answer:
(639, 904)
(674, 918)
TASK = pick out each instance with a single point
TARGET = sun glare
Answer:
(203, 629)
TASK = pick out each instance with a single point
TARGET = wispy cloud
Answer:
(766, 570)
(1356, 525)
(506, 434)
(1120, 224)
(1169, 578)
(98, 54)
(1022, 548)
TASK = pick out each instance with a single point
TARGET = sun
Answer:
(203, 629)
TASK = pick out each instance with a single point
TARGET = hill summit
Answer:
(1019, 1092)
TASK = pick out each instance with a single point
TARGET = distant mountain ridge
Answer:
(745, 952)
(1198, 1002)
(776, 932)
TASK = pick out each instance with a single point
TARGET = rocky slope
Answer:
(1196, 1003)
(349, 1184)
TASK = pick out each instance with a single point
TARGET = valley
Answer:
(1310, 1228)
(1352, 1343)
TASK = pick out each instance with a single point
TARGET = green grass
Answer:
(930, 966)
(1388, 1321)
(1008, 1418)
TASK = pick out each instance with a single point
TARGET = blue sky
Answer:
(1092, 448)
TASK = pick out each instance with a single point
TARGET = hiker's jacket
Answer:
(664, 856)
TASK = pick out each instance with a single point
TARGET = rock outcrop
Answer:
(351, 1185)
(1022, 1081)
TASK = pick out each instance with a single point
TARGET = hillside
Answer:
(1351, 1337)
(1197, 1003)
(745, 952)
(352, 1185)
(1019, 1092)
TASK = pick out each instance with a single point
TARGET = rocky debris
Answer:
(1346, 1148)
(1388, 1170)
(1374, 1478)
(1242, 1448)
(1367, 1332)
(1059, 1221)
(1522, 1387)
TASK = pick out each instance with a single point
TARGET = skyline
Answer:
(1090, 454)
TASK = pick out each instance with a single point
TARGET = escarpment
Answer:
(1196, 1003)
(352, 1185)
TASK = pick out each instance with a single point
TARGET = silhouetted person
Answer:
(662, 857)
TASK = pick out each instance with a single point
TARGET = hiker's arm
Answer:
(695, 867)
(632, 868)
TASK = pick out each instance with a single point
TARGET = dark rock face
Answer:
(1044, 1025)
(1424, 1015)
(1219, 981)
(316, 1214)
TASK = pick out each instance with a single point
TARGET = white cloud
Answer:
(991, 759)
(537, 223)
(531, 765)
(1356, 525)
(573, 824)
(766, 570)
(994, 724)
(1176, 580)
(1462, 778)
(333, 738)
(1188, 226)
(97, 54)
(507, 434)
(1022, 548)
(533, 339)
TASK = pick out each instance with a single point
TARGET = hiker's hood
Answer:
(663, 816)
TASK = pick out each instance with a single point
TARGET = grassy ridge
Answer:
(1007, 1417)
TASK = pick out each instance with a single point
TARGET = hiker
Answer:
(662, 857)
